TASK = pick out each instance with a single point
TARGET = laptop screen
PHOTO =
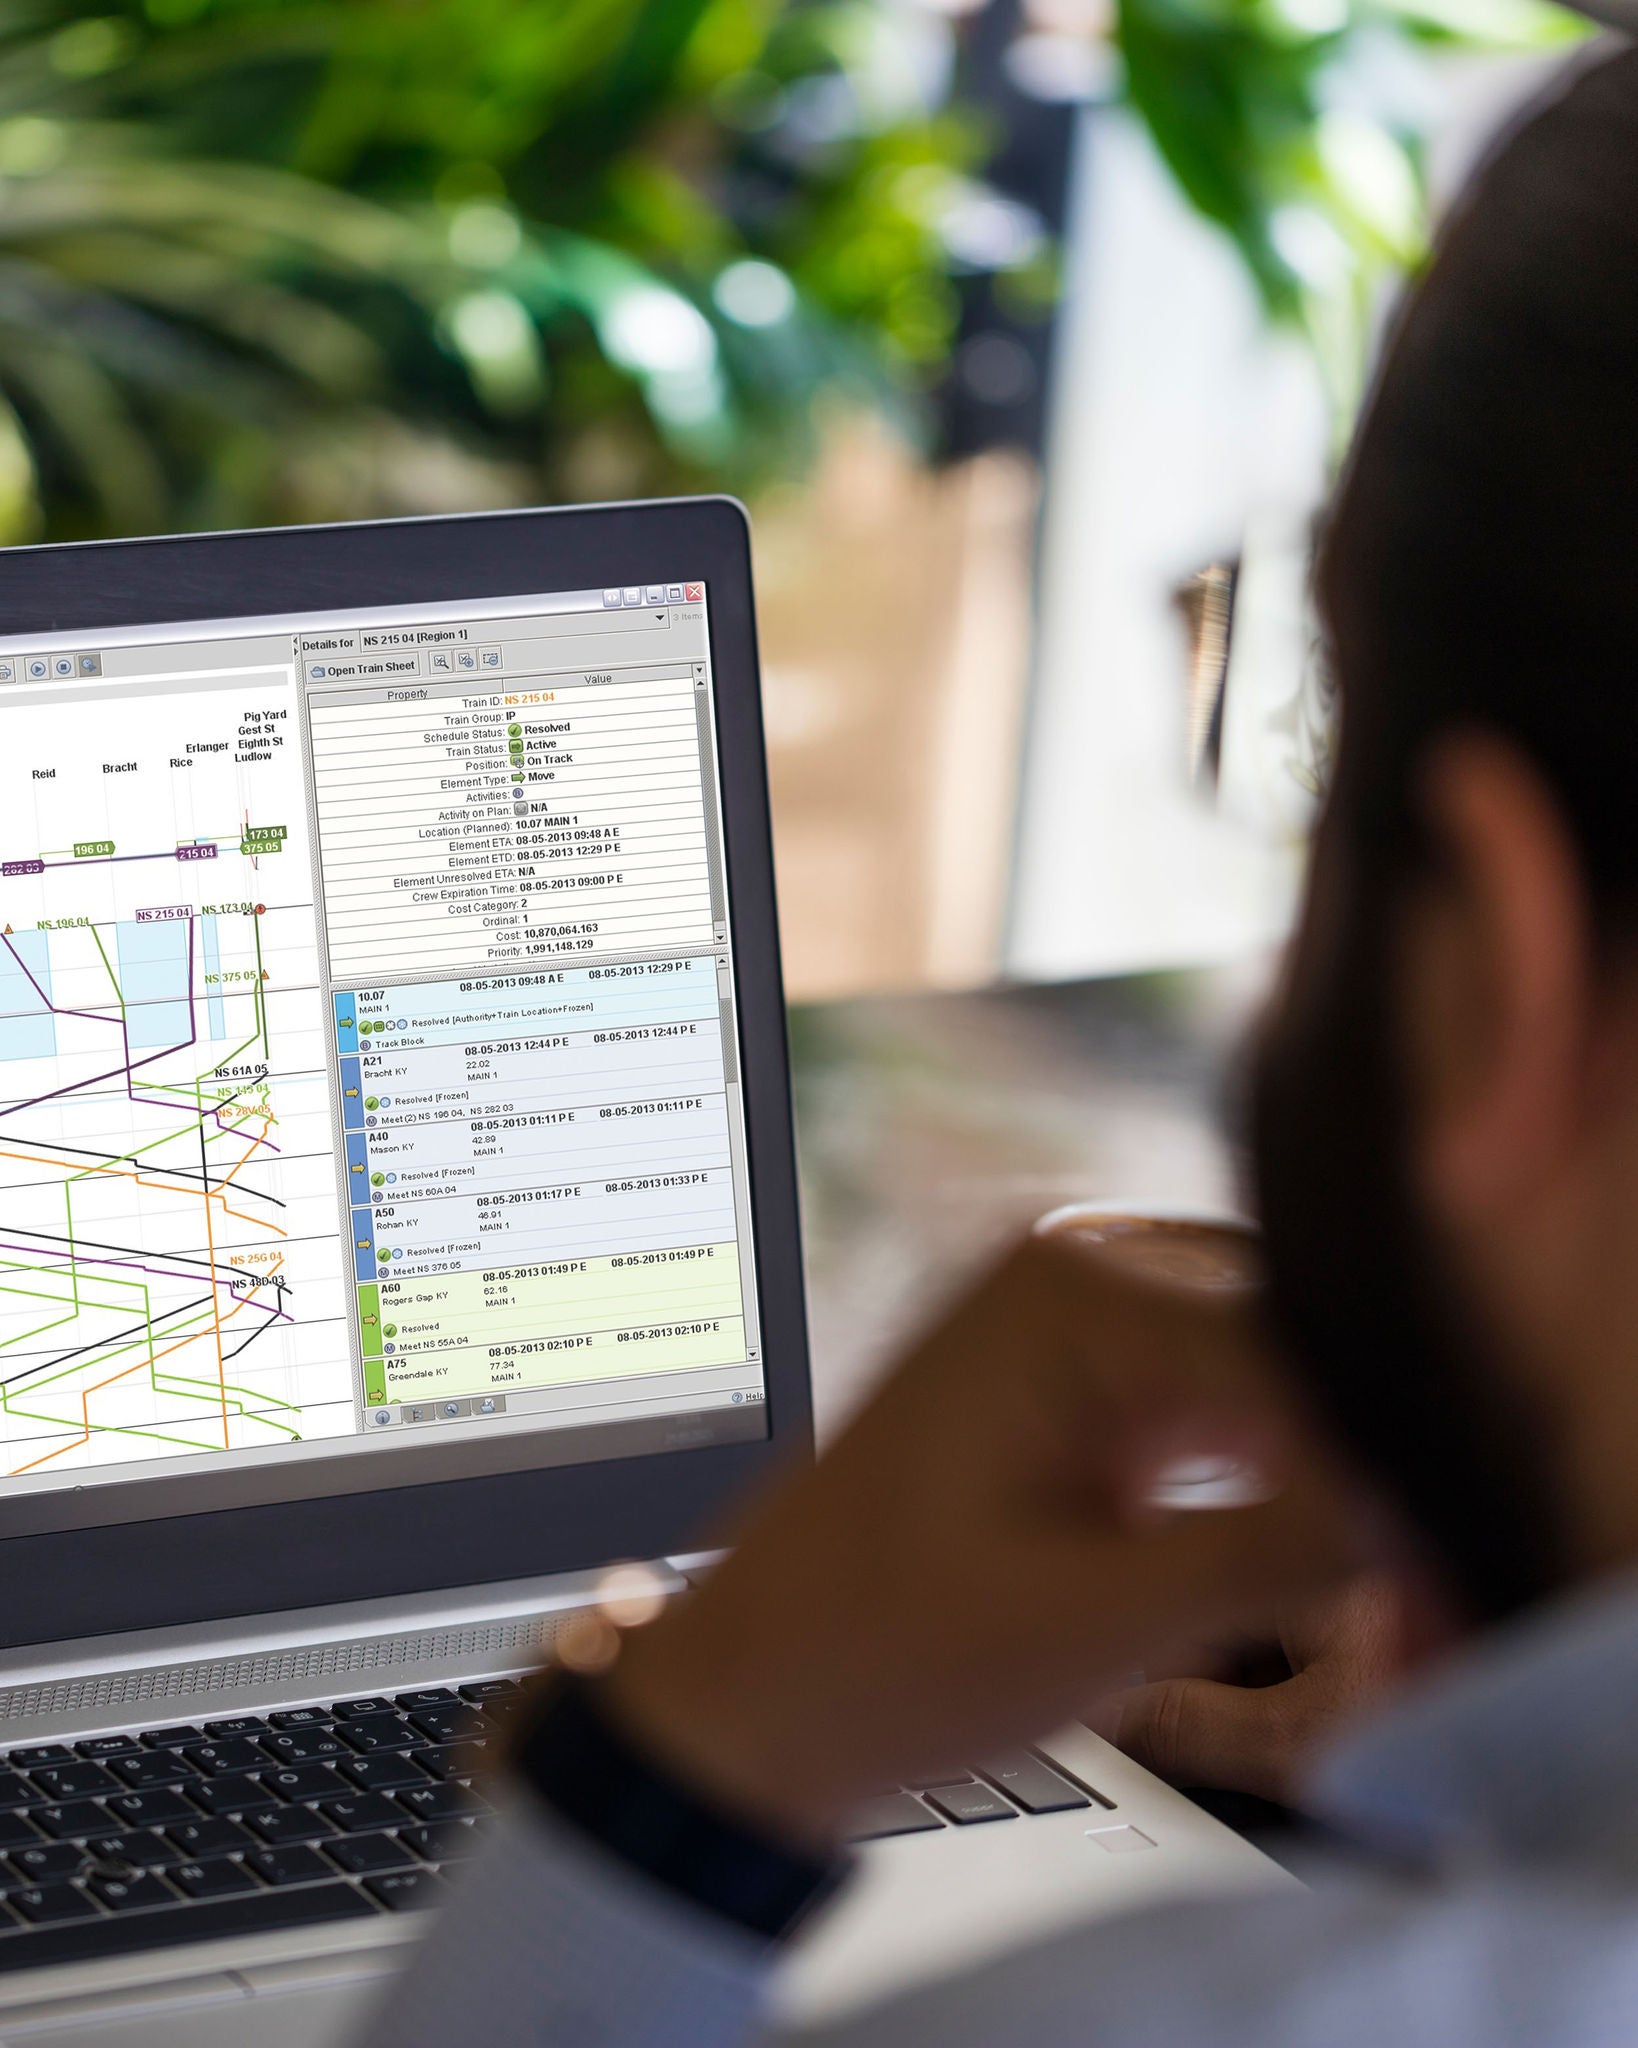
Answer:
(369, 1070)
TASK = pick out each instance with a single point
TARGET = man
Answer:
(1445, 1129)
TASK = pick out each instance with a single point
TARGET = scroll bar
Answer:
(713, 814)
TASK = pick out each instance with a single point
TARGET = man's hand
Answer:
(1343, 1649)
(975, 1558)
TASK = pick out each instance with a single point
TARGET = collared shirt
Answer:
(1493, 1903)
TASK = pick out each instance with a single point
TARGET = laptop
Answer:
(399, 1226)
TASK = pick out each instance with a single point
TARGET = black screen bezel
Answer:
(313, 1552)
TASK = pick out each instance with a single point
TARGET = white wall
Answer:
(1180, 426)
(1176, 415)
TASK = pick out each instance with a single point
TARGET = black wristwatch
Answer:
(577, 1760)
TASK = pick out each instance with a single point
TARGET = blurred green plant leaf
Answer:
(245, 242)
(1263, 111)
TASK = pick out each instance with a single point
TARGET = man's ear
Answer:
(1496, 977)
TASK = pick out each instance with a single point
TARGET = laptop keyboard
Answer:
(122, 1843)
(290, 1819)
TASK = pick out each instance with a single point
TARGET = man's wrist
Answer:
(589, 1770)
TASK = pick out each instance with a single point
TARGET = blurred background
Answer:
(1031, 331)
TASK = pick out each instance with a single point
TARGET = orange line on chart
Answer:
(215, 1294)
(216, 1318)
(124, 1373)
(78, 1167)
(207, 1195)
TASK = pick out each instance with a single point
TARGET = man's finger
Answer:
(1193, 1731)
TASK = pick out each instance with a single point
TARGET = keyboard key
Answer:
(428, 1696)
(80, 1817)
(406, 1891)
(208, 1920)
(171, 1738)
(294, 1864)
(454, 1759)
(439, 1802)
(15, 1832)
(148, 1809)
(96, 1747)
(155, 1767)
(443, 1724)
(74, 1781)
(378, 1731)
(216, 1759)
(893, 1813)
(231, 1795)
(352, 1710)
(363, 1854)
(362, 1813)
(381, 1773)
(925, 1782)
(213, 1880)
(448, 1842)
(16, 1790)
(201, 1839)
(139, 1847)
(307, 1781)
(280, 1824)
(303, 1745)
(127, 1894)
(50, 1860)
(42, 1753)
(491, 1689)
(239, 1724)
(968, 1804)
(40, 1903)
(1032, 1784)
(301, 1717)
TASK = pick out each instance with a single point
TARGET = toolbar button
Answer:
(62, 665)
(90, 664)
(38, 668)
(612, 598)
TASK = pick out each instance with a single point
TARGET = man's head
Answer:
(1446, 1110)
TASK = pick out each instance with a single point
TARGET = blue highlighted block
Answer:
(358, 1167)
(28, 1031)
(363, 1244)
(352, 1097)
(154, 978)
(210, 943)
(346, 1023)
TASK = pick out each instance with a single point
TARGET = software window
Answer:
(368, 1056)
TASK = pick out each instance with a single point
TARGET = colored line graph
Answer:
(58, 1390)
(171, 1282)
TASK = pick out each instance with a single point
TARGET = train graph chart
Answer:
(170, 1269)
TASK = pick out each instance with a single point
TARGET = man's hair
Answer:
(1480, 569)
(1481, 563)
